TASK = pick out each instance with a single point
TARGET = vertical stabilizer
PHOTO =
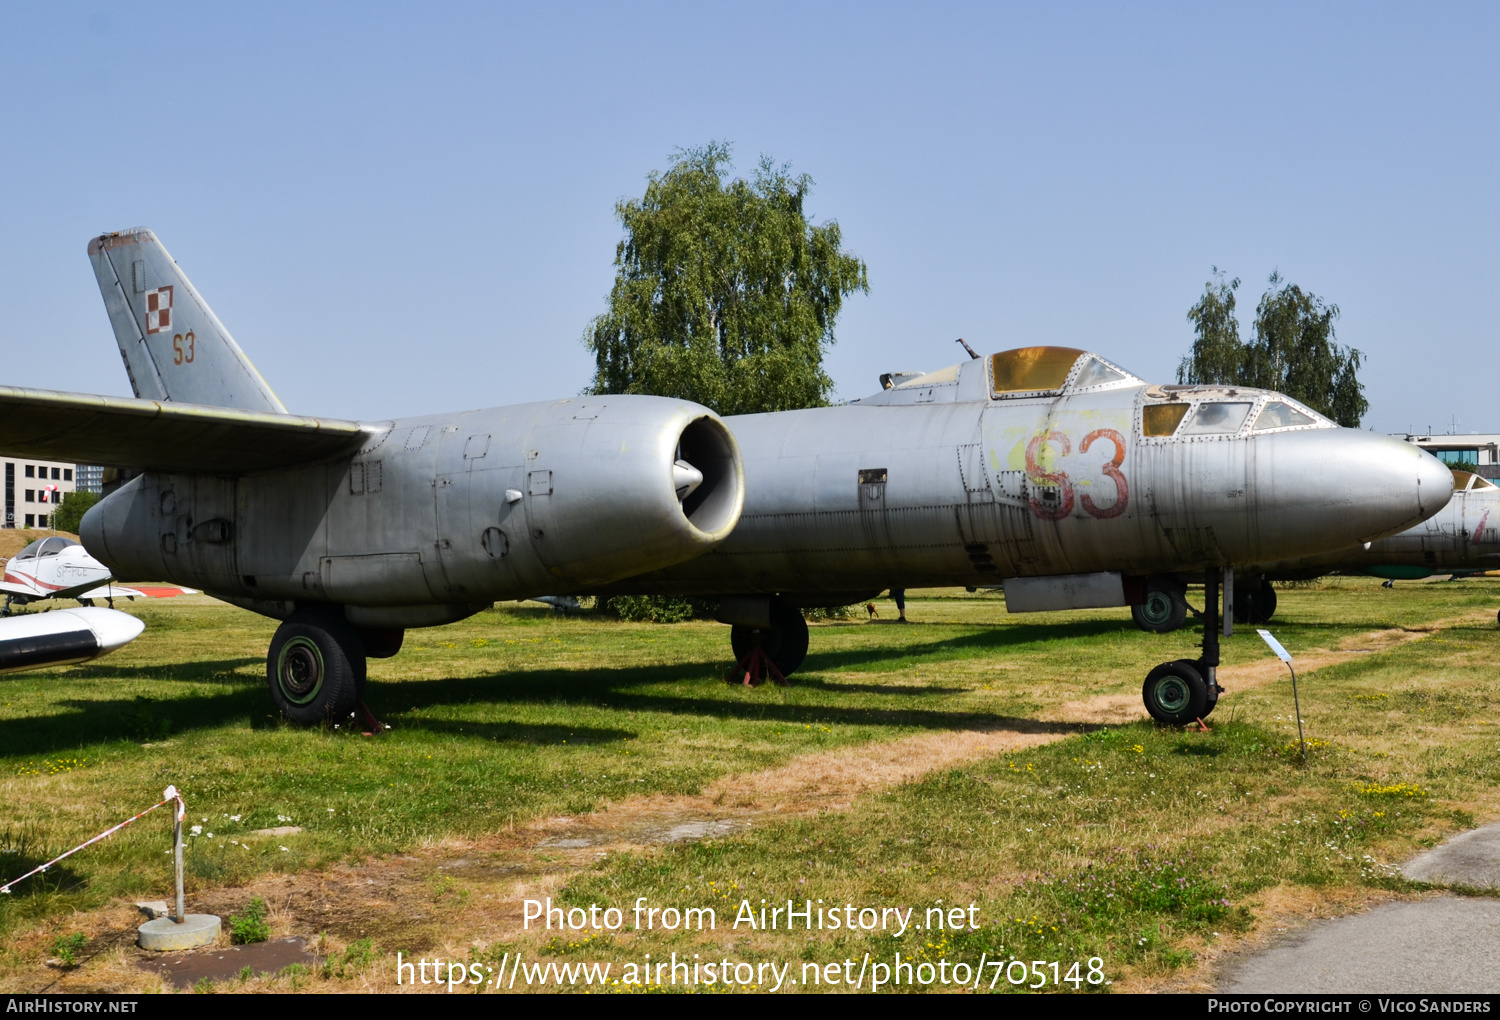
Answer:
(174, 346)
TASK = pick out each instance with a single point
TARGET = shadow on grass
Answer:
(206, 671)
(519, 734)
(88, 721)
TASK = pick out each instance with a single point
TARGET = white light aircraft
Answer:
(60, 568)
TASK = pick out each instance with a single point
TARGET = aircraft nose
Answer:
(1333, 488)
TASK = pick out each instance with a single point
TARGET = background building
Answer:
(1481, 451)
(89, 478)
(33, 488)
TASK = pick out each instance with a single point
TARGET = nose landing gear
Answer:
(1177, 693)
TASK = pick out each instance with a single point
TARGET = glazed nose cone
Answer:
(1327, 489)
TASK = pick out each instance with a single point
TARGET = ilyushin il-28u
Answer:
(1053, 472)
(351, 532)
(1047, 468)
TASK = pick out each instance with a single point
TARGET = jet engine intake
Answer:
(631, 490)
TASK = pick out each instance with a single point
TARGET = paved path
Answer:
(1446, 944)
(1470, 858)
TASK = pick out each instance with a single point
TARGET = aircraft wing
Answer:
(11, 588)
(164, 436)
(120, 591)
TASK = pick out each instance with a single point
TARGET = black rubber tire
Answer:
(315, 668)
(1175, 693)
(785, 642)
(1257, 606)
(1164, 610)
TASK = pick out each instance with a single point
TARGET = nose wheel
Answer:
(1180, 692)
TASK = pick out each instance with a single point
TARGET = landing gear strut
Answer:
(1177, 693)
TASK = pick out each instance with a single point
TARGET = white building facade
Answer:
(33, 490)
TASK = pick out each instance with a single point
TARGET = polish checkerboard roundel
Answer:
(158, 309)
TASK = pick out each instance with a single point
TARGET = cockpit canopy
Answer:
(1192, 413)
(1468, 481)
(1039, 371)
(45, 547)
(1186, 412)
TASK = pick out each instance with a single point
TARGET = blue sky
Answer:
(402, 209)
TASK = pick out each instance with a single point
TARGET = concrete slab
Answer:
(1442, 945)
(184, 970)
(1470, 858)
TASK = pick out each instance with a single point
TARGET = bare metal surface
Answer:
(936, 482)
(128, 432)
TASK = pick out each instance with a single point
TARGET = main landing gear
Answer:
(1166, 607)
(1177, 693)
(316, 666)
(765, 652)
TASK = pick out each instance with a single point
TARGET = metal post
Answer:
(177, 851)
(1286, 657)
(1297, 707)
(1229, 602)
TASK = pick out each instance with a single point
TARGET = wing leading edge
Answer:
(157, 436)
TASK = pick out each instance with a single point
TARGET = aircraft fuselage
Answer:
(952, 483)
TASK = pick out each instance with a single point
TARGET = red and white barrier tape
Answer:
(168, 795)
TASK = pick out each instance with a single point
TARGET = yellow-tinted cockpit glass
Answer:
(1028, 369)
(1162, 419)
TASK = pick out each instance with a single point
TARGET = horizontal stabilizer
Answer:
(155, 436)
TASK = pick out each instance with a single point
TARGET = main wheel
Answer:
(315, 668)
(1164, 610)
(1258, 606)
(1175, 693)
(785, 642)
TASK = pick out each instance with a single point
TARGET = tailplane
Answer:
(174, 346)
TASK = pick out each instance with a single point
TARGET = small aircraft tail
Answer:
(174, 346)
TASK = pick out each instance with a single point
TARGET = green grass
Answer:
(519, 713)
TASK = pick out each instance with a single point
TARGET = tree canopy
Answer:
(1294, 350)
(74, 506)
(724, 292)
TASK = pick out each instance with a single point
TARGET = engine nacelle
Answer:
(455, 511)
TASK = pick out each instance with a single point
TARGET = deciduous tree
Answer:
(1294, 351)
(724, 292)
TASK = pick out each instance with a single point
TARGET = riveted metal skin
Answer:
(941, 481)
(417, 529)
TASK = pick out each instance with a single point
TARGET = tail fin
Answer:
(174, 346)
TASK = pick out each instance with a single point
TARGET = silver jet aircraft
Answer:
(350, 532)
(1055, 472)
(1461, 538)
